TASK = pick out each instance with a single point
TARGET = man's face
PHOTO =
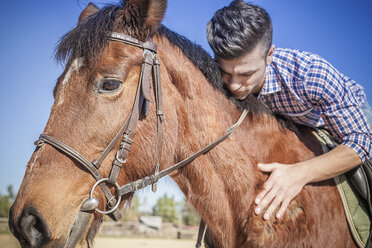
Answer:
(246, 74)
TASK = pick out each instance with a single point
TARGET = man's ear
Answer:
(88, 11)
(270, 54)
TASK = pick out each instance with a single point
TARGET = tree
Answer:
(6, 201)
(166, 208)
(191, 216)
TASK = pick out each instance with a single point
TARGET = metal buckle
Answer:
(145, 51)
(118, 201)
(39, 142)
(123, 161)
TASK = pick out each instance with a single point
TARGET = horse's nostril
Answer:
(31, 232)
(33, 229)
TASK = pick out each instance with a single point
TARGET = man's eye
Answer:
(224, 74)
(109, 85)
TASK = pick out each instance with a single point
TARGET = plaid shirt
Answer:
(310, 91)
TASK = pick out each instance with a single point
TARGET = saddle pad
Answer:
(355, 210)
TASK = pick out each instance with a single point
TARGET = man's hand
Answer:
(284, 183)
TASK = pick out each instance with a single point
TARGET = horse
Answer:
(94, 95)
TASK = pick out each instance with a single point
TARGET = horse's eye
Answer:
(109, 85)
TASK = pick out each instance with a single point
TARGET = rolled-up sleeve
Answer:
(329, 91)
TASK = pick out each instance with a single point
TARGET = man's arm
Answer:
(334, 96)
(286, 181)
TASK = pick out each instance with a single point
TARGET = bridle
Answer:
(150, 69)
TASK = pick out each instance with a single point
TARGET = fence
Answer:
(3, 224)
(135, 229)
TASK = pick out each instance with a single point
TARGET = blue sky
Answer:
(340, 31)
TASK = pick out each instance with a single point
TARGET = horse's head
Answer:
(93, 97)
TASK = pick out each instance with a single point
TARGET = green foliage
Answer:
(6, 201)
(191, 216)
(166, 208)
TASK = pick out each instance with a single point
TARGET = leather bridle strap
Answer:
(149, 45)
(127, 130)
(97, 163)
(159, 114)
(143, 182)
(141, 101)
(129, 133)
(135, 42)
(44, 138)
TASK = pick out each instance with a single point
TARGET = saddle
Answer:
(359, 177)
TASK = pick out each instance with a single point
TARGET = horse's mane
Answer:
(206, 64)
(88, 40)
(209, 67)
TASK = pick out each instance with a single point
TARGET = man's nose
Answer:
(234, 84)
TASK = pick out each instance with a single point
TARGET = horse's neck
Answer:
(204, 113)
(222, 182)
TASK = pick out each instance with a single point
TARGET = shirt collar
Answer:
(271, 84)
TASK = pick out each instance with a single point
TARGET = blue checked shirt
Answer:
(310, 91)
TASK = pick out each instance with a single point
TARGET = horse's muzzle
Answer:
(30, 229)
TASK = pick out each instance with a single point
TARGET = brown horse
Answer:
(94, 95)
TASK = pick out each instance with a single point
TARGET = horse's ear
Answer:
(88, 11)
(151, 11)
(155, 13)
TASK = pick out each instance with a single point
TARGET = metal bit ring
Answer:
(117, 203)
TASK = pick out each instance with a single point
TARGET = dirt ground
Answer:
(143, 243)
(8, 241)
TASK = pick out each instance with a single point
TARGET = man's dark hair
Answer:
(236, 30)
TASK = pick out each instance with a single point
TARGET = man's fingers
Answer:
(274, 205)
(266, 200)
(283, 208)
(266, 188)
(266, 167)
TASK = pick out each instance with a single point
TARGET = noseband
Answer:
(150, 65)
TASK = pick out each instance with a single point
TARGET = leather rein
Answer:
(150, 69)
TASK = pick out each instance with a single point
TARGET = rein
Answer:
(150, 65)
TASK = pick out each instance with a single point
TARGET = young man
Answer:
(299, 85)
